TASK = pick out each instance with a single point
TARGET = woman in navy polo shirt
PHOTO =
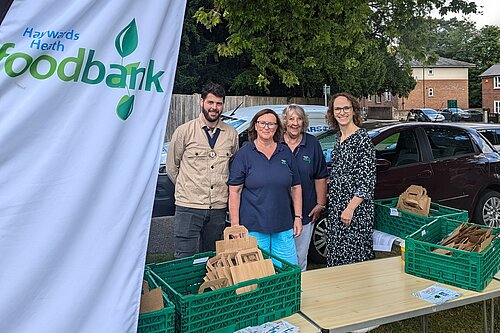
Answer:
(263, 183)
(313, 173)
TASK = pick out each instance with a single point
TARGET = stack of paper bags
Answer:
(467, 238)
(415, 200)
(237, 259)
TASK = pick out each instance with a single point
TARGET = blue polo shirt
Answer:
(265, 197)
(312, 166)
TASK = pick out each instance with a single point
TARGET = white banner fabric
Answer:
(85, 88)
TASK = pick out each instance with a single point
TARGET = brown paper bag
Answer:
(251, 270)
(151, 300)
(415, 200)
(235, 244)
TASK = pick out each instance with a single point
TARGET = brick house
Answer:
(438, 83)
(491, 88)
(445, 80)
(380, 106)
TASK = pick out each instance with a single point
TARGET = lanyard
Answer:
(212, 139)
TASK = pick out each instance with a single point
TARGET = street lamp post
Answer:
(326, 92)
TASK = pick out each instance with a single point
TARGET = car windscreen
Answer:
(491, 135)
(235, 122)
(373, 133)
(327, 141)
(429, 111)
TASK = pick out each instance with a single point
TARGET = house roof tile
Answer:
(492, 71)
(444, 62)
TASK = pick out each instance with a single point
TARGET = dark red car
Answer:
(458, 167)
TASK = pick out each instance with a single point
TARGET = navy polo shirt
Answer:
(312, 166)
(265, 197)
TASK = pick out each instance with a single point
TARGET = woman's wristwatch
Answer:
(298, 217)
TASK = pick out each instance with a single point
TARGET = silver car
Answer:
(425, 114)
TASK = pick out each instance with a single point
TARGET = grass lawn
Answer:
(465, 319)
(159, 257)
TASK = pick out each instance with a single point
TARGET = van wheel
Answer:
(487, 211)
(317, 247)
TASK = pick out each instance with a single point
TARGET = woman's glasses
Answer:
(346, 109)
(268, 124)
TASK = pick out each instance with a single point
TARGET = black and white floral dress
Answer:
(352, 174)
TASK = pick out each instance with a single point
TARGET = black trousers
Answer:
(197, 230)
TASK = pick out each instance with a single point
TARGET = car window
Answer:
(448, 142)
(388, 144)
(327, 141)
(492, 135)
(399, 148)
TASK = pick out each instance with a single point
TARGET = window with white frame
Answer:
(431, 92)
(388, 96)
(496, 106)
(496, 82)
(430, 71)
(369, 98)
(378, 99)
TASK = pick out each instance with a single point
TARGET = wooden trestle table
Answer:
(356, 296)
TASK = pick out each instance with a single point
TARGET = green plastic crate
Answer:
(467, 270)
(161, 321)
(223, 310)
(407, 223)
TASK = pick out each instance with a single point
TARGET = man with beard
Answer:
(198, 164)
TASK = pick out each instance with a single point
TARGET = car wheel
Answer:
(454, 118)
(317, 247)
(488, 209)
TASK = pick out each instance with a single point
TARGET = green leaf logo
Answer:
(125, 107)
(126, 42)
(129, 67)
(127, 39)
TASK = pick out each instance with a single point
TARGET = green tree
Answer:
(485, 46)
(452, 38)
(352, 45)
(460, 40)
(199, 62)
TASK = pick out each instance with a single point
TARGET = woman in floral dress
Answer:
(351, 186)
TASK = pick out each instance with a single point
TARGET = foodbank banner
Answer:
(84, 93)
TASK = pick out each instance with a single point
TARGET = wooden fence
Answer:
(186, 107)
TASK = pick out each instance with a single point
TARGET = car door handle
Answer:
(424, 174)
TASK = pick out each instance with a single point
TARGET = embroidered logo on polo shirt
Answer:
(306, 159)
(284, 162)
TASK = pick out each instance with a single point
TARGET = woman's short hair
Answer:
(356, 108)
(252, 133)
(299, 110)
